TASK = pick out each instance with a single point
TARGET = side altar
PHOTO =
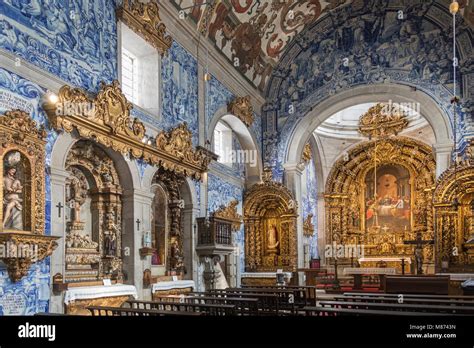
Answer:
(270, 214)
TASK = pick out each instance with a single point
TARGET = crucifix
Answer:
(59, 206)
(419, 242)
(138, 224)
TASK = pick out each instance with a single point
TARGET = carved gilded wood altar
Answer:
(22, 193)
(454, 217)
(348, 205)
(106, 120)
(270, 214)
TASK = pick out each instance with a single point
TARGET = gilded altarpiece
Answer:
(380, 195)
(171, 183)
(454, 217)
(270, 214)
(22, 194)
(93, 215)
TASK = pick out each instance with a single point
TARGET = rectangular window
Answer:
(129, 78)
(140, 71)
(223, 143)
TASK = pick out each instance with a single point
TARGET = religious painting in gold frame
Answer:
(388, 202)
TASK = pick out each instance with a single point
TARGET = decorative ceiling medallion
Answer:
(108, 122)
(243, 109)
(229, 212)
(144, 19)
(383, 120)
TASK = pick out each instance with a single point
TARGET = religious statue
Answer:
(419, 258)
(272, 241)
(77, 197)
(110, 236)
(12, 201)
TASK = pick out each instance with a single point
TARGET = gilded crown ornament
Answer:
(383, 120)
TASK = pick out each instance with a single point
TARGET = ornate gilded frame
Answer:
(18, 132)
(454, 217)
(144, 19)
(345, 185)
(261, 198)
(107, 121)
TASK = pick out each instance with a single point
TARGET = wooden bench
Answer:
(207, 309)
(329, 311)
(286, 298)
(268, 304)
(438, 285)
(243, 306)
(424, 296)
(98, 311)
(409, 300)
(399, 307)
(304, 295)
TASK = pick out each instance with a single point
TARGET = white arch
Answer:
(127, 171)
(435, 116)
(246, 138)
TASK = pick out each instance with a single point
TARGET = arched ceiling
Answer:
(253, 34)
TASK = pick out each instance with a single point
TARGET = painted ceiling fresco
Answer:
(253, 34)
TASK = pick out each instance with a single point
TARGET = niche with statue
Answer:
(22, 193)
(93, 215)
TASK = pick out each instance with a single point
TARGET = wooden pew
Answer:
(304, 295)
(426, 284)
(207, 309)
(243, 306)
(399, 307)
(98, 311)
(409, 300)
(441, 297)
(329, 311)
(268, 304)
(286, 298)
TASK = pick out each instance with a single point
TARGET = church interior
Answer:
(236, 157)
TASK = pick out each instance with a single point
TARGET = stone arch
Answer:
(246, 138)
(365, 94)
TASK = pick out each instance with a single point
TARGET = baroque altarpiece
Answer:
(380, 194)
(270, 214)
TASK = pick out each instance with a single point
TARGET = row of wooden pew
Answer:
(248, 301)
(393, 304)
(292, 300)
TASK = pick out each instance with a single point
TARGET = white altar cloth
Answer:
(389, 259)
(369, 270)
(177, 284)
(91, 292)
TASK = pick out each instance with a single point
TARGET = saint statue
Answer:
(272, 241)
(12, 201)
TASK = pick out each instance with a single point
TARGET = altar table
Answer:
(360, 271)
(263, 278)
(175, 287)
(76, 299)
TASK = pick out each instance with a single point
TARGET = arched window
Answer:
(223, 143)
